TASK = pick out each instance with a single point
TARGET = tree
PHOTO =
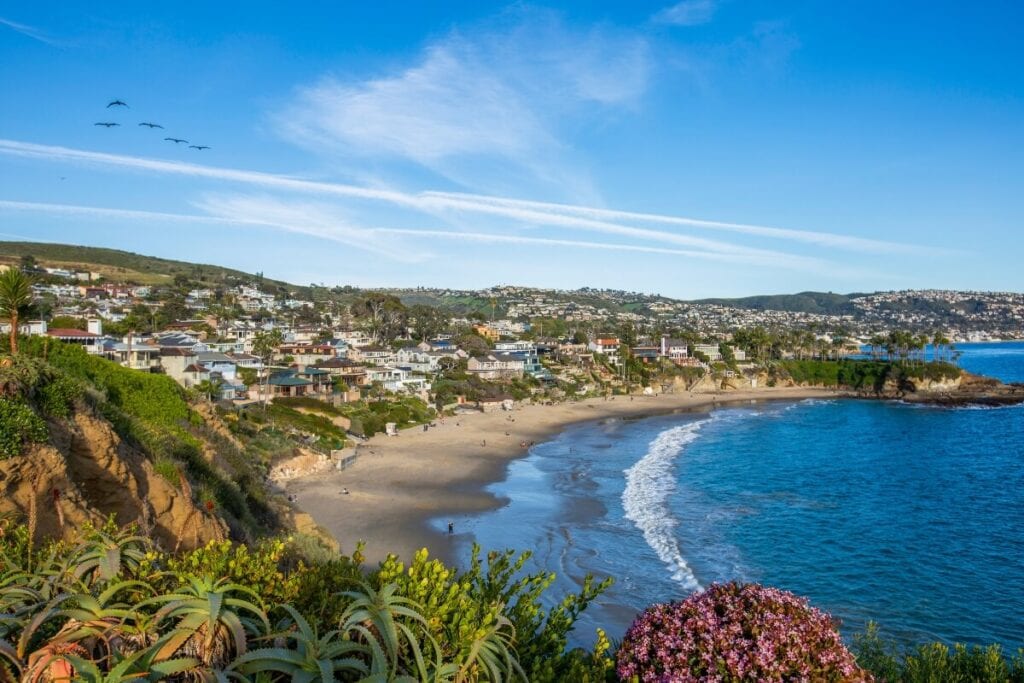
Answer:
(426, 321)
(29, 263)
(15, 298)
(264, 346)
(68, 321)
(384, 314)
(210, 388)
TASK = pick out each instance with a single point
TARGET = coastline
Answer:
(399, 484)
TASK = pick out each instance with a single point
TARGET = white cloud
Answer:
(500, 96)
(532, 213)
(687, 13)
(29, 31)
(326, 222)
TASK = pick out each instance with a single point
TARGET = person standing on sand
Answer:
(451, 528)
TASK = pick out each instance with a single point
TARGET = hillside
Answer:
(822, 303)
(105, 440)
(125, 265)
(969, 314)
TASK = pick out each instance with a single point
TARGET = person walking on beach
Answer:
(451, 528)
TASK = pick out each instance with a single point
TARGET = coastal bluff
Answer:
(86, 474)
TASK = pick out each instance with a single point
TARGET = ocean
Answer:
(909, 516)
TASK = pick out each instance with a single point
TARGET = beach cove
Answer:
(398, 484)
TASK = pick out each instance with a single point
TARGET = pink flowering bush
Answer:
(735, 632)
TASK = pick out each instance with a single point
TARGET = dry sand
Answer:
(399, 483)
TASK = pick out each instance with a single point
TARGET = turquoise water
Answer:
(906, 515)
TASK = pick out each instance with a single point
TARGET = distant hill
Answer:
(124, 265)
(823, 303)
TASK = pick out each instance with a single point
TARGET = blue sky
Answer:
(705, 148)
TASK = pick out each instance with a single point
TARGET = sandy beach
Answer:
(399, 483)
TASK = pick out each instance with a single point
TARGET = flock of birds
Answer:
(147, 124)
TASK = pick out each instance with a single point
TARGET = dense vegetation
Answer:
(113, 607)
(366, 418)
(825, 303)
(861, 375)
(148, 411)
(736, 632)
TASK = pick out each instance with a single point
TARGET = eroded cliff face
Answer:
(87, 474)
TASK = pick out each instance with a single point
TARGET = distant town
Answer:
(243, 338)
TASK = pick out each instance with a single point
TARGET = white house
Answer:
(497, 366)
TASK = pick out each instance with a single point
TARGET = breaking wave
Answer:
(649, 485)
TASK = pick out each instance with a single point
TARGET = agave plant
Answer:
(213, 623)
(311, 658)
(104, 556)
(493, 655)
(375, 617)
(137, 666)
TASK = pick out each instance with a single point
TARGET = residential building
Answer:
(373, 354)
(88, 340)
(497, 366)
(145, 357)
(674, 349)
(527, 352)
(487, 332)
(646, 354)
(607, 347)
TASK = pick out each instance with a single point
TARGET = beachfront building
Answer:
(528, 353)
(497, 366)
(373, 354)
(418, 360)
(714, 353)
(397, 379)
(674, 349)
(348, 371)
(608, 347)
(311, 382)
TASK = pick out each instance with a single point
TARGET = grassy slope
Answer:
(122, 264)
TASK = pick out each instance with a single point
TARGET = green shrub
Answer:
(935, 662)
(58, 397)
(19, 426)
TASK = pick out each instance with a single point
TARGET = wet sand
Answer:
(399, 483)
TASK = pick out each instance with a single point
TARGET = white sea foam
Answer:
(649, 484)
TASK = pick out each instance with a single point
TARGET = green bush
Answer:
(58, 397)
(935, 662)
(19, 426)
(862, 375)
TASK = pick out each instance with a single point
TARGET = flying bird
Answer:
(199, 147)
(176, 140)
(150, 125)
(117, 103)
(108, 124)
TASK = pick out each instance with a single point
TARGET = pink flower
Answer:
(733, 632)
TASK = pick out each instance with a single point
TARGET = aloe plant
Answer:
(305, 655)
(378, 618)
(212, 623)
(103, 557)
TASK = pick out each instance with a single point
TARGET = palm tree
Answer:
(15, 297)
(210, 388)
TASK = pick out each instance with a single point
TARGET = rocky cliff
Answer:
(87, 473)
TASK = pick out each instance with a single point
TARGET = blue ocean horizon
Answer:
(910, 516)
